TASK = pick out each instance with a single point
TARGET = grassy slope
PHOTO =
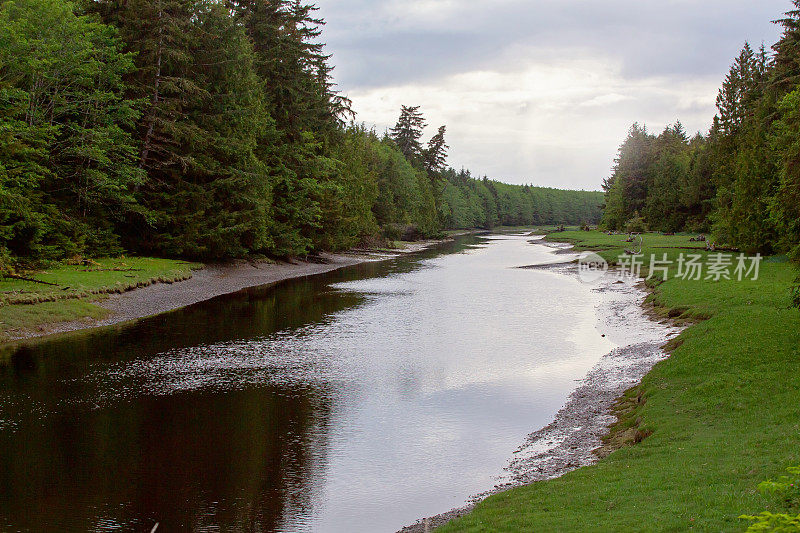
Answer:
(724, 411)
(25, 305)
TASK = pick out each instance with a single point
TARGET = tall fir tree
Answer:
(663, 209)
(307, 112)
(217, 205)
(626, 188)
(435, 155)
(784, 83)
(408, 131)
(785, 71)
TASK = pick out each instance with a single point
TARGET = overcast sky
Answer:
(540, 91)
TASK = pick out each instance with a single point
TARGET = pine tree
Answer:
(161, 34)
(737, 92)
(407, 132)
(435, 155)
(785, 71)
(631, 176)
(663, 210)
(698, 191)
(218, 206)
(780, 103)
(308, 113)
(742, 162)
(785, 205)
(203, 129)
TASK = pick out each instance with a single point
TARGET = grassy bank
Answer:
(66, 292)
(720, 415)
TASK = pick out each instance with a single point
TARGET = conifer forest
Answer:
(211, 130)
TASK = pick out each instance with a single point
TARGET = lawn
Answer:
(66, 292)
(724, 412)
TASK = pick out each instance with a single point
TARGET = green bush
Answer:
(787, 488)
(393, 232)
(6, 266)
(767, 521)
(787, 492)
(636, 224)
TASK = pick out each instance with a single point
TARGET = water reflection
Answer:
(372, 395)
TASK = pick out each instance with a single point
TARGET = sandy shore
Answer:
(571, 440)
(213, 281)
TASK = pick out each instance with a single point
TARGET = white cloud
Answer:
(604, 100)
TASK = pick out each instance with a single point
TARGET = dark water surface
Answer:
(359, 400)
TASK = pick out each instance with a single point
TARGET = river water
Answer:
(358, 400)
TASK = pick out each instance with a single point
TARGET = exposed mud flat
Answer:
(572, 438)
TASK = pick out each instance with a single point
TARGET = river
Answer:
(357, 400)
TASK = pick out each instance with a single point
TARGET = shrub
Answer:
(767, 521)
(6, 266)
(392, 232)
(635, 224)
(787, 492)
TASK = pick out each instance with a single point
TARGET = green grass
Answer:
(28, 306)
(724, 411)
(17, 318)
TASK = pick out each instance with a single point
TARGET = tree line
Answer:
(740, 182)
(213, 129)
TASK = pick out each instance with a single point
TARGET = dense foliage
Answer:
(741, 181)
(785, 494)
(212, 129)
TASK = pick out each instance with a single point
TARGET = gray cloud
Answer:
(649, 61)
(374, 46)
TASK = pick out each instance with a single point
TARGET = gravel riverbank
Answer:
(216, 280)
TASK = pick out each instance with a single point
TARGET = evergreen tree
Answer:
(740, 90)
(630, 178)
(435, 155)
(161, 34)
(698, 191)
(744, 166)
(785, 71)
(785, 205)
(347, 209)
(307, 111)
(217, 206)
(408, 131)
(663, 209)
